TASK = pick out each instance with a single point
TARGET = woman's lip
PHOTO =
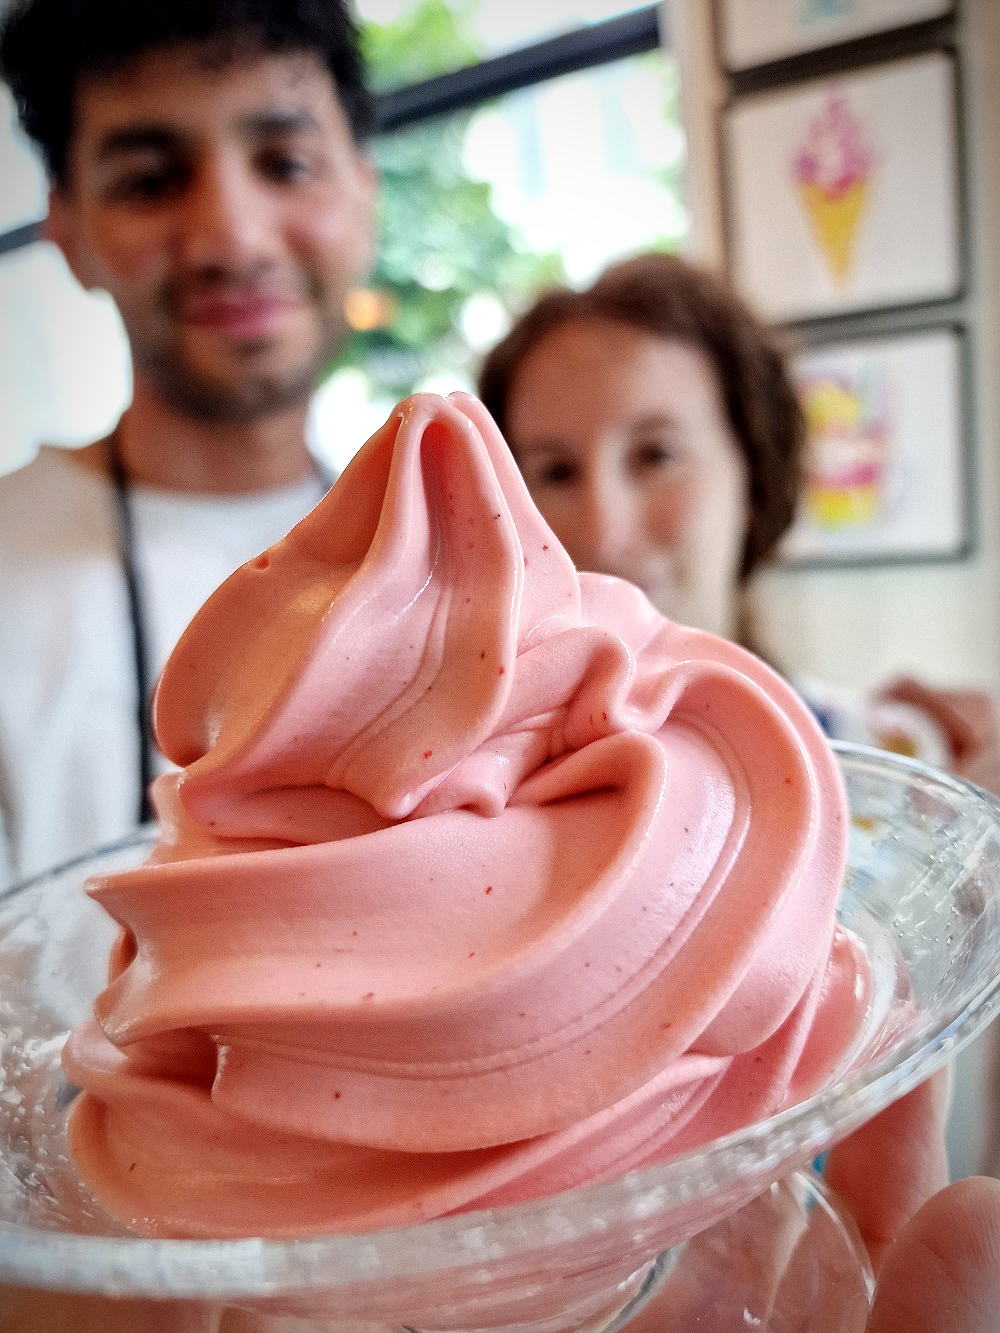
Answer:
(240, 316)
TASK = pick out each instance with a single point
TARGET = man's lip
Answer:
(251, 315)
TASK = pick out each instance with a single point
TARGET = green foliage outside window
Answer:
(440, 240)
(431, 37)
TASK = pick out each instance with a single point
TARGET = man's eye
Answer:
(146, 186)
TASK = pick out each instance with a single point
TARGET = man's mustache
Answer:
(261, 282)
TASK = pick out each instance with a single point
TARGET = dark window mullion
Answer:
(583, 48)
(18, 237)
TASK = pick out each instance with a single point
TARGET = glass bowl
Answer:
(922, 891)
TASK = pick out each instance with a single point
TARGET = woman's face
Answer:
(623, 439)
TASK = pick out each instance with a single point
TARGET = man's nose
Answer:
(227, 220)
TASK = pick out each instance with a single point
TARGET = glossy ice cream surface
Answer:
(479, 880)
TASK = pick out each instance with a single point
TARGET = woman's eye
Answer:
(551, 472)
(652, 456)
(285, 167)
(546, 467)
(560, 473)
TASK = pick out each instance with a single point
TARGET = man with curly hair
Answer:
(208, 170)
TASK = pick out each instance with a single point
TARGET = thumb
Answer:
(943, 1270)
(893, 1164)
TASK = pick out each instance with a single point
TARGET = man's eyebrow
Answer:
(260, 124)
(156, 138)
(136, 139)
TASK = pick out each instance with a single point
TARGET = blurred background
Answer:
(525, 143)
(485, 198)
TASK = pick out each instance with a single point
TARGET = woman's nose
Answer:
(609, 529)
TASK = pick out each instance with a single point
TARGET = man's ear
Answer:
(59, 228)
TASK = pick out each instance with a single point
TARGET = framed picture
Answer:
(754, 32)
(885, 467)
(842, 194)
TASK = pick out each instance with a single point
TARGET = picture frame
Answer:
(886, 465)
(843, 194)
(756, 32)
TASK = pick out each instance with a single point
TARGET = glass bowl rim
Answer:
(257, 1267)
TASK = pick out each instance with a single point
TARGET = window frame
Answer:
(586, 47)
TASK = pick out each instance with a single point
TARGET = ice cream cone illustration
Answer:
(832, 175)
(835, 221)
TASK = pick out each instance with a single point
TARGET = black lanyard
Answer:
(137, 617)
(137, 620)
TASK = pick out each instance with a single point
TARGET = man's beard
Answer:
(161, 358)
(246, 398)
(253, 396)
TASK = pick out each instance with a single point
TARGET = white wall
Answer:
(941, 622)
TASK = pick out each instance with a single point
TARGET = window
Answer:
(499, 178)
(64, 363)
(411, 40)
(505, 167)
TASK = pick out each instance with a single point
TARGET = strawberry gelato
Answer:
(478, 879)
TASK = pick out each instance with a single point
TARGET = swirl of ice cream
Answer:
(480, 879)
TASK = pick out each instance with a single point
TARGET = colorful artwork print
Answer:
(844, 195)
(849, 456)
(884, 470)
(832, 171)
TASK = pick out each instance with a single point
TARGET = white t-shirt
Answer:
(69, 744)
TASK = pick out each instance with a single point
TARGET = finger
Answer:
(61, 1312)
(968, 717)
(247, 1321)
(886, 1170)
(943, 1272)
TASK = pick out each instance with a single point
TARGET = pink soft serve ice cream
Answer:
(479, 878)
